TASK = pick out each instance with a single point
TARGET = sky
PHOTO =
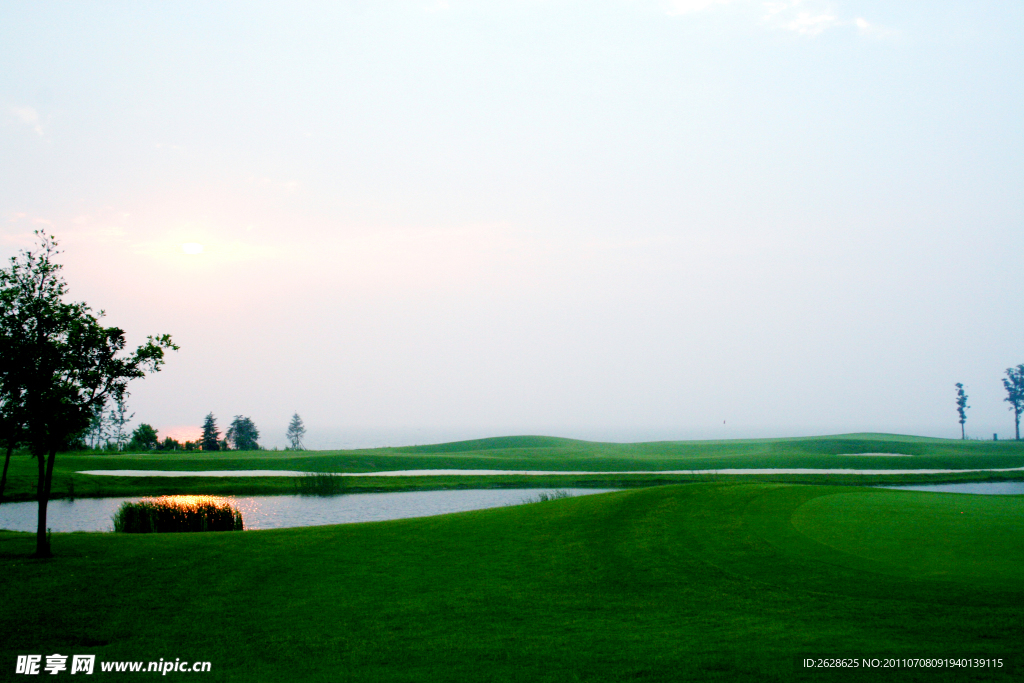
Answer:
(614, 220)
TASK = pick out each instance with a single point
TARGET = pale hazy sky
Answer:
(624, 220)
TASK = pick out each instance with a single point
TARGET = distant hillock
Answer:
(837, 446)
(490, 444)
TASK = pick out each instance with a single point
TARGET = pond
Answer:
(277, 512)
(986, 488)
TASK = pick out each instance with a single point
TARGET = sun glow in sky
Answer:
(181, 433)
(626, 219)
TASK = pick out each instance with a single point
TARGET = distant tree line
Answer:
(1013, 383)
(242, 435)
(108, 432)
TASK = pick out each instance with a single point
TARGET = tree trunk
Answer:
(43, 491)
(963, 435)
(3, 479)
(1016, 415)
(40, 496)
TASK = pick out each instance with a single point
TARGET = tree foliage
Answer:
(1014, 385)
(242, 434)
(97, 433)
(108, 428)
(296, 430)
(60, 366)
(961, 408)
(211, 435)
(144, 438)
(171, 444)
(119, 419)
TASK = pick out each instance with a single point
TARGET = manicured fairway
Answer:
(692, 582)
(533, 453)
(979, 540)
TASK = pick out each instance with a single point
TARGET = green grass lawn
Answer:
(532, 453)
(696, 582)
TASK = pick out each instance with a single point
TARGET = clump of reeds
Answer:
(544, 496)
(183, 513)
(320, 484)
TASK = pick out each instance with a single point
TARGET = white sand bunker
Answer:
(876, 455)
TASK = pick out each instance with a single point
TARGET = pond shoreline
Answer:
(281, 512)
(70, 487)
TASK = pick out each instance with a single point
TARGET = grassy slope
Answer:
(696, 582)
(529, 452)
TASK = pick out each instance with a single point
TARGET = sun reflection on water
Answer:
(190, 501)
(248, 506)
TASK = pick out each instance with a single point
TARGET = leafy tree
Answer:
(1014, 385)
(242, 434)
(961, 407)
(211, 435)
(61, 364)
(144, 438)
(296, 430)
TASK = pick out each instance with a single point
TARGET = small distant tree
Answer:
(119, 419)
(1014, 385)
(242, 434)
(95, 435)
(961, 408)
(109, 428)
(144, 438)
(211, 435)
(296, 430)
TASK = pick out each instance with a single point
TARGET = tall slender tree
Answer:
(211, 435)
(96, 434)
(1014, 385)
(61, 365)
(296, 430)
(961, 408)
(119, 419)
